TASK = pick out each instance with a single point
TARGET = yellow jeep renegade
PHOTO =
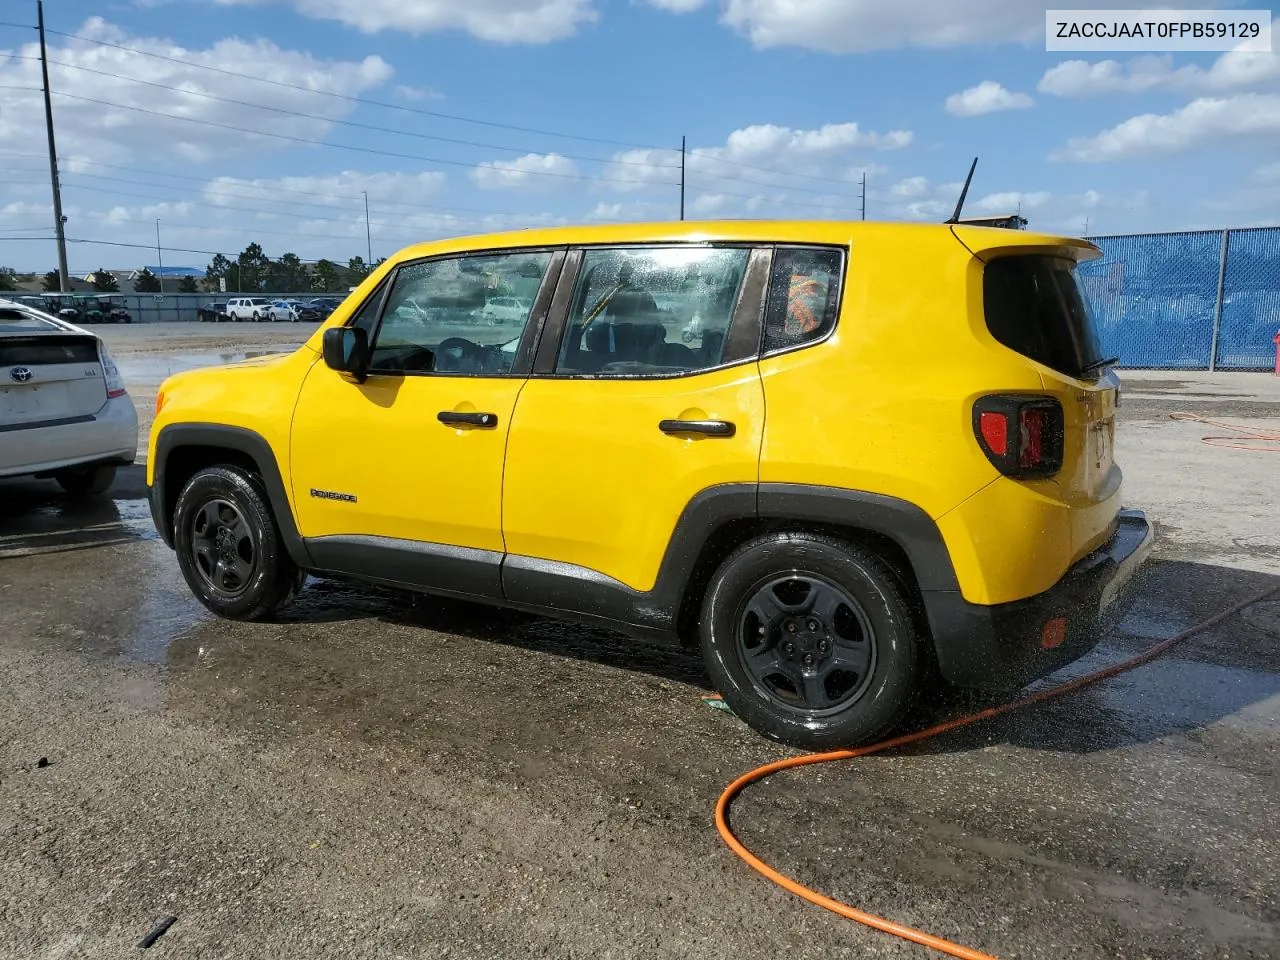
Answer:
(834, 454)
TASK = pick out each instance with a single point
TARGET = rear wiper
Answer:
(1100, 364)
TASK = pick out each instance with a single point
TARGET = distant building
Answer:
(176, 273)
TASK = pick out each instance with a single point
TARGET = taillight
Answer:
(110, 372)
(1021, 436)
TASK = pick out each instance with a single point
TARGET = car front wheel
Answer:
(229, 546)
(79, 482)
(811, 640)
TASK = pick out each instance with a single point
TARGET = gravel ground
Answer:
(374, 776)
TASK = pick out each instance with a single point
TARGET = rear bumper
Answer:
(1004, 646)
(108, 436)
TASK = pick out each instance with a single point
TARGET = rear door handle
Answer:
(468, 419)
(708, 428)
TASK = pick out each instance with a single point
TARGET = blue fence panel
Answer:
(1250, 300)
(1153, 297)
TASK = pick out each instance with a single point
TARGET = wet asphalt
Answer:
(377, 775)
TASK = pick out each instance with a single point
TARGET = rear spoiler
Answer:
(987, 243)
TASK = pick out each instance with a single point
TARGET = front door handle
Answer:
(708, 428)
(468, 419)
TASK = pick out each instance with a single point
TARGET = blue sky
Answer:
(785, 103)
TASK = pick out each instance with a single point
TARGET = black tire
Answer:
(244, 573)
(81, 482)
(862, 663)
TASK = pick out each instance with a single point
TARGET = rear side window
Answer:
(1034, 305)
(652, 311)
(804, 296)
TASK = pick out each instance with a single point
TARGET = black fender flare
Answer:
(222, 437)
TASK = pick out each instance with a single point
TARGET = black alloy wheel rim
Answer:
(223, 548)
(807, 644)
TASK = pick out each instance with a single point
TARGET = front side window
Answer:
(440, 315)
(651, 311)
(804, 296)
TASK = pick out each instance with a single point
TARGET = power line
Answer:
(208, 200)
(774, 201)
(214, 183)
(354, 99)
(151, 246)
(425, 136)
(339, 121)
(321, 143)
(270, 213)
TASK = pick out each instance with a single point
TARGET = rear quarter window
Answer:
(1035, 306)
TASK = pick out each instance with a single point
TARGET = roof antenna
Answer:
(955, 217)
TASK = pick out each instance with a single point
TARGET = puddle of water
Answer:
(167, 612)
(154, 369)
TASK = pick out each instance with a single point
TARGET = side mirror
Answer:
(346, 349)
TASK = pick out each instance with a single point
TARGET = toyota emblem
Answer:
(20, 374)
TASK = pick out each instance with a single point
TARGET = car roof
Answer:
(33, 321)
(727, 231)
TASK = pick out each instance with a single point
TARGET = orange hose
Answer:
(1233, 443)
(870, 919)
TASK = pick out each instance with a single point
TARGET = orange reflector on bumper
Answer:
(1054, 632)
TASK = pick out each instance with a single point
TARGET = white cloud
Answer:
(342, 190)
(677, 6)
(533, 169)
(986, 97)
(410, 94)
(855, 26)
(1209, 120)
(813, 163)
(1268, 174)
(1231, 71)
(1011, 201)
(498, 21)
(911, 187)
(114, 134)
(709, 204)
(637, 210)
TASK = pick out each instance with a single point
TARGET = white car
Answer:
(501, 310)
(64, 411)
(249, 308)
(291, 311)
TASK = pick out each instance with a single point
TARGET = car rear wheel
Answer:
(811, 640)
(229, 546)
(79, 482)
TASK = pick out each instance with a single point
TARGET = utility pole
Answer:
(864, 194)
(64, 282)
(368, 234)
(682, 140)
(159, 257)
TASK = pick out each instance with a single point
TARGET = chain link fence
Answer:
(1203, 300)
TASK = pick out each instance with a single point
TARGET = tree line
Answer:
(251, 271)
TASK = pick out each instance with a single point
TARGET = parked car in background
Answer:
(212, 313)
(502, 310)
(249, 308)
(325, 306)
(64, 411)
(106, 309)
(292, 311)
